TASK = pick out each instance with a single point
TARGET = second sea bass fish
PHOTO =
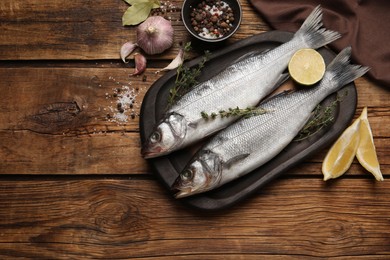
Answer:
(242, 84)
(249, 143)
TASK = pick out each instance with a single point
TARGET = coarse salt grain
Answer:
(120, 117)
(125, 100)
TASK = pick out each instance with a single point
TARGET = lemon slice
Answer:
(340, 156)
(366, 153)
(306, 67)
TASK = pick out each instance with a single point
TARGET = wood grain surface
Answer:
(74, 186)
(119, 218)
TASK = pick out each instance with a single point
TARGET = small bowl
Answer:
(189, 5)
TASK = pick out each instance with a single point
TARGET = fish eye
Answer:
(155, 137)
(187, 174)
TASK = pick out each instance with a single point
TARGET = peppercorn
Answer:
(224, 25)
(198, 17)
(212, 18)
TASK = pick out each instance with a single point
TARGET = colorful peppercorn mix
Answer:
(212, 19)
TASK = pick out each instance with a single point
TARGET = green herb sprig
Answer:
(242, 112)
(318, 121)
(186, 77)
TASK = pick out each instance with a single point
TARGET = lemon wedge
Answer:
(306, 67)
(340, 156)
(366, 153)
(356, 140)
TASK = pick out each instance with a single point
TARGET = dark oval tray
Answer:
(167, 168)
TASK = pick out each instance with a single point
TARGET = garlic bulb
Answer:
(155, 35)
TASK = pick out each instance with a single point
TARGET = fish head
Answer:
(203, 173)
(166, 136)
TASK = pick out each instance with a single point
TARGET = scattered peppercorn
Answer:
(212, 18)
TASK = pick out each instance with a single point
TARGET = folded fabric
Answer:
(363, 24)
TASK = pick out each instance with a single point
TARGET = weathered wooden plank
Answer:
(372, 95)
(27, 91)
(96, 153)
(79, 100)
(85, 30)
(49, 108)
(118, 219)
(25, 152)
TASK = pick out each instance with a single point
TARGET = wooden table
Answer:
(73, 183)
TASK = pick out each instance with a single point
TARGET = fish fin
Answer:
(282, 79)
(280, 94)
(250, 54)
(193, 125)
(235, 159)
(342, 71)
(313, 34)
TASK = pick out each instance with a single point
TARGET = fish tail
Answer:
(341, 69)
(313, 34)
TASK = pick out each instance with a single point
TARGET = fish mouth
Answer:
(148, 153)
(178, 194)
(180, 191)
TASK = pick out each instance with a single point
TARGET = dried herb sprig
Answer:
(321, 117)
(186, 77)
(243, 112)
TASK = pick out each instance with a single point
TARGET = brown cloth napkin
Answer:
(363, 24)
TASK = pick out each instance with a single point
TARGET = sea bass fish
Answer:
(242, 84)
(249, 143)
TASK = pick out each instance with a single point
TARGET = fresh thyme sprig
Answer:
(186, 77)
(243, 112)
(318, 121)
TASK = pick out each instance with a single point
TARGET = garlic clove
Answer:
(176, 62)
(126, 50)
(140, 64)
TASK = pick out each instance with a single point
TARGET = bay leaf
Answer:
(155, 3)
(131, 2)
(137, 13)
